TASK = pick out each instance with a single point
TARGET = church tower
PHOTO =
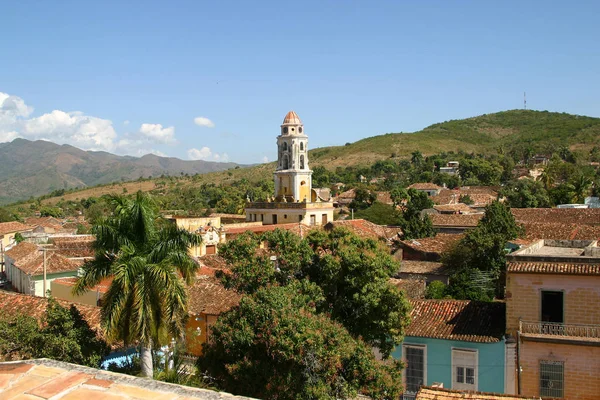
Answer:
(294, 201)
(292, 175)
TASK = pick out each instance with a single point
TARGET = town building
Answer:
(436, 392)
(458, 344)
(427, 187)
(209, 228)
(552, 297)
(295, 201)
(8, 230)
(427, 271)
(31, 269)
(425, 249)
(451, 168)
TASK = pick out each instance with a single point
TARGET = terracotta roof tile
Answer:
(553, 268)
(209, 296)
(16, 304)
(422, 267)
(414, 288)
(437, 244)
(74, 246)
(458, 220)
(585, 216)
(424, 186)
(298, 229)
(55, 263)
(481, 195)
(429, 393)
(464, 320)
(23, 250)
(366, 229)
(455, 208)
(14, 226)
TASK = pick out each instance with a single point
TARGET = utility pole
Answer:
(352, 211)
(44, 250)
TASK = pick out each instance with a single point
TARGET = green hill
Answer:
(513, 131)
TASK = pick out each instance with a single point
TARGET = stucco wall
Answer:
(523, 298)
(63, 292)
(581, 368)
(39, 281)
(491, 361)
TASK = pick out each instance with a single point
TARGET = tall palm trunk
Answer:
(146, 360)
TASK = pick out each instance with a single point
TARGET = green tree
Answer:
(51, 212)
(525, 193)
(353, 274)
(415, 225)
(150, 267)
(436, 290)
(465, 199)
(6, 216)
(581, 188)
(480, 255)
(416, 158)
(276, 345)
(64, 335)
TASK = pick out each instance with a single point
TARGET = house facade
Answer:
(454, 344)
(25, 268)
(552, 297)
(209, 228)
(8, 230)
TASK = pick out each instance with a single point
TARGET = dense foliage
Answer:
(276, 345)
(64, 335)
(338, 285)
(478, 259)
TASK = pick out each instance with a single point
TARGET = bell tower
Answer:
(293, 178)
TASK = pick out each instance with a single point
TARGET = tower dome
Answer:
(291, 118)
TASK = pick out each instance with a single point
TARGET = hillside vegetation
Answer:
(515, 132)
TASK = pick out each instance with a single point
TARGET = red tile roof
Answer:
(464, 320)
(424, 186)
(74, 246)
(455, 220)
(437, 244)
(585, 216)
(453, 208)
(22, 250)
(414, 288)
(366, 229)
(55, 263)
(431, 393)
(481, 195)
(16, 304)
(530, 267)
(209, 296)
(422, 267)
(14, 226)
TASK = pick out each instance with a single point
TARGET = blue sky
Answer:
(131, 76)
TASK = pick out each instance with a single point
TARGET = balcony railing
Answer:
(557, 329)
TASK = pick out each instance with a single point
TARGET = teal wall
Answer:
(39, 281)
(439, 361)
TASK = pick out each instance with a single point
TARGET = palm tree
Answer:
(581, 187)
(150, 266)
(416, 158)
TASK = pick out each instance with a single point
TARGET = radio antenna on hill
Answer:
(525, 100)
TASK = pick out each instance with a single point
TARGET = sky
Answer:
(213, 80)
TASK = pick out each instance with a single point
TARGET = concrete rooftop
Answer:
(55, 380)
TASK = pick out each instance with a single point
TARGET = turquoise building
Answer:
(455, 344)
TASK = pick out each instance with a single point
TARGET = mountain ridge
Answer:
(33, 168)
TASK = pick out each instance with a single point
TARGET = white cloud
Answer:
(205, 153)
(158, 134)
(78, 129)
(265, 159)
(203, 121)
(75, 128)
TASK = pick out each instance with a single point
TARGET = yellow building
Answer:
(552, 297)
(209, 228)
(295, 201)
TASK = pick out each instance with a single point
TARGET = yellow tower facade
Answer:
(294, 200)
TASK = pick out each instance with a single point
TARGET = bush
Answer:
(436, 290)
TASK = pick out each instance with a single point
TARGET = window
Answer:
(300, 129)
(285, 130)
(415, 368)
(323, 219)
(313, 220)
(301, 162)
(286, 162)
(301, 145)
(464, 369)
(552, 378)
(552, 307)
(284, 146)
(274, 219)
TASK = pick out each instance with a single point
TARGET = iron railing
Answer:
(558, 329)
